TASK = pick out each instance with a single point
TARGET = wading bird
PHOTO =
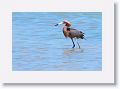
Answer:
(71, 32)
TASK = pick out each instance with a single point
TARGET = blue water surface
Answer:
(37, 45)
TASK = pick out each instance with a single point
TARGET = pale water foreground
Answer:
(40, 46)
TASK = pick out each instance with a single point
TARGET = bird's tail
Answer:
(83, 36)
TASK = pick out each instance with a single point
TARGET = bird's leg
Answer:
(73, 43)
(78, 45)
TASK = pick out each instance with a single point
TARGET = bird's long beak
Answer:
(58, 23)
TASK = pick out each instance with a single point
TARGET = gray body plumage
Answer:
(73, 33)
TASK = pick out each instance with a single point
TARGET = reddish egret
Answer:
(71, 32)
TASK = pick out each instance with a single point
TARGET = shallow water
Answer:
(40, 46)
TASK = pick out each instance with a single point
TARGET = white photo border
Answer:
(104, 76)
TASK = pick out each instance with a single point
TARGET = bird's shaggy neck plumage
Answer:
(68, 24)
(65, 32)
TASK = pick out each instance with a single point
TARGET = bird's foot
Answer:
(73, 46)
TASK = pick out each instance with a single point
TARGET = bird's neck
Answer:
(65, 28)
(65, 32)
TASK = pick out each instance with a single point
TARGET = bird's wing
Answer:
(70, 29)
(76, 33)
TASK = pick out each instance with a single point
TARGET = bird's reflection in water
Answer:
(70, 52)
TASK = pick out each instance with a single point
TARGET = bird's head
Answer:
(65, 22)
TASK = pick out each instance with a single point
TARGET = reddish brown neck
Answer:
(68, 25)
(65, 27)
(65, 32)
